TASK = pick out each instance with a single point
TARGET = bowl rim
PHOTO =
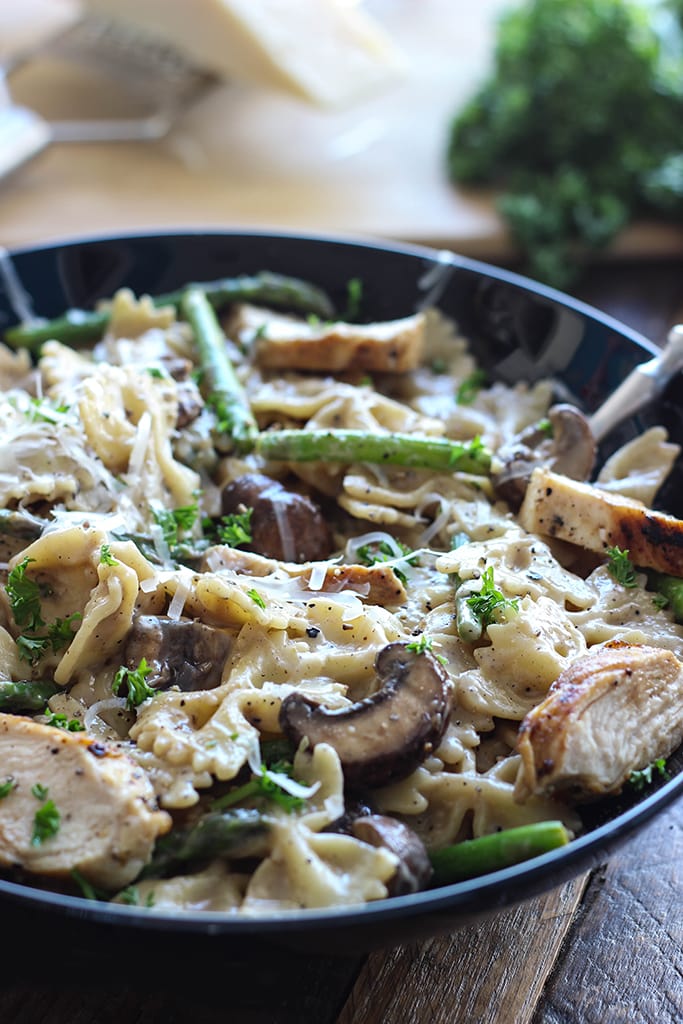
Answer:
(471, 895)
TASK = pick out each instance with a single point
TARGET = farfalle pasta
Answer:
(287, 620)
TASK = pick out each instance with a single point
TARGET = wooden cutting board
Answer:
(246, 158)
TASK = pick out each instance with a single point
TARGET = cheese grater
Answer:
(132, 61)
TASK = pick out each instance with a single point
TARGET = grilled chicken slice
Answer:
(594, 519)
(377, 584)
(609, 713)
(107, 811)
(285, 343)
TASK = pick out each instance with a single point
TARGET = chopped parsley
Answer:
(175, 521)
(106, 557)
(156, 372)
(131, 897)
(381, 551)
(470, 387)
(545, 426)
(424, 645)
(256, 598)
(235, 529)
(135, 682)
(32, 648)
(265, 787)
(59, 635)
(60, 721)
(39, 791)
(7, 786)
(621, 568)
(644, 776)
(87, 889)
(24, 597)
(421, 645)
(45, 822)
(660, 601)
(489, 604)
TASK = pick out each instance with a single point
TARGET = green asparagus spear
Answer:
(26, 695)
(475, 857)
(80, 327)
(670, 587)
(236, 422)
(236, 833)
(384, 449)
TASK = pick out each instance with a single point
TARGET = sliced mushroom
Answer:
(609, 713)
(284, 525)
(179, 652)
(568, 448)
(383, 738)
(414, 869)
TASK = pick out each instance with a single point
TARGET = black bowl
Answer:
(518, 330)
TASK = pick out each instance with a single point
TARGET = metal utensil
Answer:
(133, 61)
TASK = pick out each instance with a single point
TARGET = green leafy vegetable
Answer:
(621, 567)
(256, 598)
(7, 786)
(175, 521)
(381, 551)
(235, 529)
(39, 791)
(134, 680)
(490, 604)
(354, 297)
(578, 126)
(106, 557)
(24, 597)
(265, 787)
(46, 823)
(32, 648)
(60, 721)
(645, 776)
(470, 387)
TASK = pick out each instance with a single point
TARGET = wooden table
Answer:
(607, 947)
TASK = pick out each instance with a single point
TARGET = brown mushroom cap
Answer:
(383, 738)
(570, 450)
(414, 870)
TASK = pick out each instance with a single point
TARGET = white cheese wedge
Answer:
(328, 52)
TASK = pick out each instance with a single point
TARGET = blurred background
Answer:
(342, 117)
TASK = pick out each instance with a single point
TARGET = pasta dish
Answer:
(302, 612)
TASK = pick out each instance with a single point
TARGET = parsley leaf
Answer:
(32, 648)
(422, 644)
(59, 721)
(135, 681)
(354, 297)
(175, 521)
(60, 634)
(256, 598)
(7, 786)
(644, 776)
(39, 791)
(45, 823)
(489, 604)
(620, 567)
(382, 551)
(106, 557)
(235, 529)
(470, 387)
(265, 787)
(24, 597)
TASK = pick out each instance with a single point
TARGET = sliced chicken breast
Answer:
(73, 802)
(609, 713)
(595, 519)
(285, 343)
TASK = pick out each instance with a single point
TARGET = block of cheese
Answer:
(328, 52)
